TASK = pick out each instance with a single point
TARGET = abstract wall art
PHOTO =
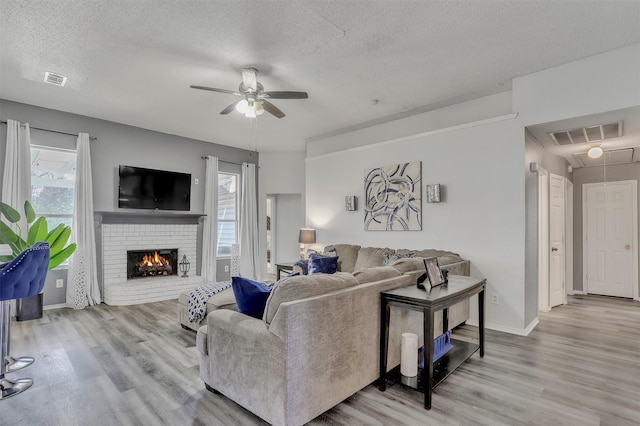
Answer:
(393, 198)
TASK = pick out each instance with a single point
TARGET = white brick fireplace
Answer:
(117, 238)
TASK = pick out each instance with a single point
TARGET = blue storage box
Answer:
(441, 345)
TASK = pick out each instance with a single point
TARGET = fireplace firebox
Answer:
(152, 263)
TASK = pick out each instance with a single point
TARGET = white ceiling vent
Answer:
(56, 79)
(589, 134)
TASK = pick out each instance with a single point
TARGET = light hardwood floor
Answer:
(134, 365)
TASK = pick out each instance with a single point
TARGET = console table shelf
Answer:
(443, 367)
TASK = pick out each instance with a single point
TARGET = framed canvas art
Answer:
(393, 200)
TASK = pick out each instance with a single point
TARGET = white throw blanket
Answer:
(199, 297)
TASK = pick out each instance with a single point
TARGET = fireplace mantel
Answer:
(146, 217)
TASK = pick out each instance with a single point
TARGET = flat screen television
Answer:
(154, 189)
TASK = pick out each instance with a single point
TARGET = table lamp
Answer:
(307, 236)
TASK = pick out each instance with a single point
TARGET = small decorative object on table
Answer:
(184, 266)
(435, 275)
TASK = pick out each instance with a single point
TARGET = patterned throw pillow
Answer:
(391, 256)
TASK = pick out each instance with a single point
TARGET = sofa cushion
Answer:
(377, 273)
(323, 264)
(444, 257)
(303, 286)
(251, 296)
(347, 254)
(368, 257)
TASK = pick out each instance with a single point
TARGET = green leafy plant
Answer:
(37, 231)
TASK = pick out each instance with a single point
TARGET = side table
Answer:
(284, 266)
(428, 302)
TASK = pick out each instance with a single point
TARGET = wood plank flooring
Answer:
(134, 365)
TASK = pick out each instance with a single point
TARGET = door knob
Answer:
(627, 246)
(554, 249)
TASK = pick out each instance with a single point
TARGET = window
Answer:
(53, 174)
(227, 212)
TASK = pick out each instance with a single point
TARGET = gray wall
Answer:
(593, 175)
(535, 153)
(120, 144)
(289, 220)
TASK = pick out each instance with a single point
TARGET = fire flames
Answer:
(153, 265)
(154, 260)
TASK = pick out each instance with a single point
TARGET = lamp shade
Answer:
(307, 236)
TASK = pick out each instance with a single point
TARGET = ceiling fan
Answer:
(254, 99)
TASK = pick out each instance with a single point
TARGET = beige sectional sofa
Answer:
(318, 341)
(350, 259)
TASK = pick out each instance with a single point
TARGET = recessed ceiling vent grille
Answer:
(589, 134)
(56, 79)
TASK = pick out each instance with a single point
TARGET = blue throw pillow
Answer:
(322, 264)
(251, 296)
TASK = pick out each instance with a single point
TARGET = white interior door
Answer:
(557, 259)
(610, 238)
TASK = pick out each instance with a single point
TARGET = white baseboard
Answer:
(57, 306)
(503, 329)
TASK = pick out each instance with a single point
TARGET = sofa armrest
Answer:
(245, 362)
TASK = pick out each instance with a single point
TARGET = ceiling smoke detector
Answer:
(588, 134)
(55, 79)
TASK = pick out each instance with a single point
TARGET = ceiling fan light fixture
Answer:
(242, 106)
(258, 108)
(595, 152)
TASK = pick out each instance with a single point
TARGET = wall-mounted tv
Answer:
(154, 189)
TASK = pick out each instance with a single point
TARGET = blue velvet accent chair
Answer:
(22, 277)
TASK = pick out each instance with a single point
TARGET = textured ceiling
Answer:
(133, 61)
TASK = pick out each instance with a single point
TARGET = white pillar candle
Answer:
(409, 355)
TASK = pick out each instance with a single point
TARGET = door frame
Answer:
(272, 225)
(568, 245)
(543, 240)
(634, 231)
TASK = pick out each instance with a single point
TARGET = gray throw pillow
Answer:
(391, 256)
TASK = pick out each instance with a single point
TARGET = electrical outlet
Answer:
(59, 283)
(226, 268)
(495, 299)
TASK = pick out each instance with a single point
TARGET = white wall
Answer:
(442, 118)
(482, 216)
(281, 174)
(596, 84)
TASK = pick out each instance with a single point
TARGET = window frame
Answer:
(236, 221)
(47, 216)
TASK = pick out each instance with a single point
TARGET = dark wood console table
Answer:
(428, 302)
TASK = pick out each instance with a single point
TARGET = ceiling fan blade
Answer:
(285, 95)
(230, 108)
(272, 109)
(250, 78)
(212, 89)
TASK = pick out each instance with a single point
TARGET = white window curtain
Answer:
(249, 249)
(82, 286)
(210, 228)
(16, 179)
